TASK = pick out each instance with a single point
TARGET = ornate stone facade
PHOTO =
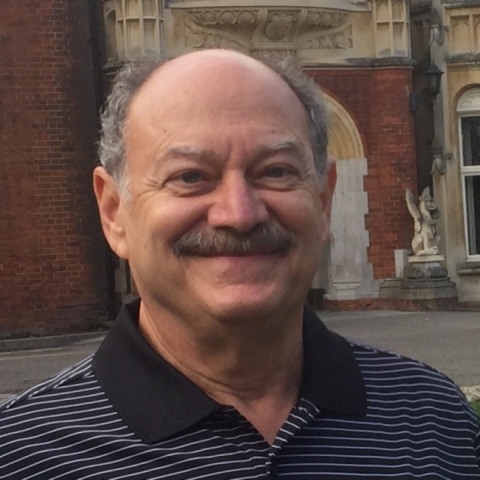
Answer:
(320, 31)
(263, 28)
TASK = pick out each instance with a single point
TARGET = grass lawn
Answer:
(476, 406)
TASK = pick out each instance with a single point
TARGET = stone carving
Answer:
(425, 240)
(280, 24)
(338, 40)
(326, 19)
(469, 102)
(464, 32)
(210, 18)
(263, 27)
(278, 54)
(199, 39)
(439, 158)
(220, 28)
(463, 21)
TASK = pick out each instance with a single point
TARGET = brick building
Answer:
(52, 266)
(56, 56)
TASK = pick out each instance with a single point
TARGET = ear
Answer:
(110, 207)
(326, 195)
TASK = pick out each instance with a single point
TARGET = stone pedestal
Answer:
(425, 286)
(426, 279)
(390, 288)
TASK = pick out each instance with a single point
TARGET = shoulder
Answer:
(72, 372)
(59, 417)
(383, 369)
(404, 384)
(43, 401)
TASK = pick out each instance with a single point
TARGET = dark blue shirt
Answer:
(126, 413)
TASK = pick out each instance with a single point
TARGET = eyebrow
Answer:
(187, 151)
(289, 145)
(263, 151)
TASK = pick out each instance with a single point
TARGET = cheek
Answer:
(165, 220)
(300, 213)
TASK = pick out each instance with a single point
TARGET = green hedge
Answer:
(476, 406)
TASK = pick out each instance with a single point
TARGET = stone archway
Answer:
(350, 276)
(345, 141)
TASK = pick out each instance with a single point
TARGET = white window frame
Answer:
(468, 106)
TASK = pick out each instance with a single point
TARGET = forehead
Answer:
(215, 82)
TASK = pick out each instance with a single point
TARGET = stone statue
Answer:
(425, 240)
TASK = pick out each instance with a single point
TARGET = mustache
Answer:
(261, 239)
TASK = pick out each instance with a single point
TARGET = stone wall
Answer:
(458, 57)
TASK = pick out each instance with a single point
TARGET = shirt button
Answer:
(273, 470)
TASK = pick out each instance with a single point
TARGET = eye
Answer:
(276, 172)
(277, 176)
(191, 177)
(190, 182)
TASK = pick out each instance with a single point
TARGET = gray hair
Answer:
(135, 73)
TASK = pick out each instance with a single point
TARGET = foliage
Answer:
(476, 406)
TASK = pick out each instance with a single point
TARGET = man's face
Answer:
(225, 215)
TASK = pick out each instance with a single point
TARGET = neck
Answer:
(256, 368)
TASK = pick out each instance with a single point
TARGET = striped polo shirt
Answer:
(125, 413)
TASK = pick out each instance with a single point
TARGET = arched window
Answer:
(468, 110)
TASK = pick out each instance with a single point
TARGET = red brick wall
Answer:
(52, 266)
(378, 102)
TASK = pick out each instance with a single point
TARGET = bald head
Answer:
(204, 74)
(203, 87)
(215, 73)
(204, 61)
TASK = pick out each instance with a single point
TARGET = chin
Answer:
(246, 304)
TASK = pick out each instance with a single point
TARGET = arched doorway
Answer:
(349, 276)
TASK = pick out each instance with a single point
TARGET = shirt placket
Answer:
(300, 416)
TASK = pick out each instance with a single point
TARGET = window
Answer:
(469, 125)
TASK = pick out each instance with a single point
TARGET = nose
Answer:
(237, 205)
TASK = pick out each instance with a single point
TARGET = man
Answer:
(215, 187)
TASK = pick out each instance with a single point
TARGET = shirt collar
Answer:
(156, 401)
